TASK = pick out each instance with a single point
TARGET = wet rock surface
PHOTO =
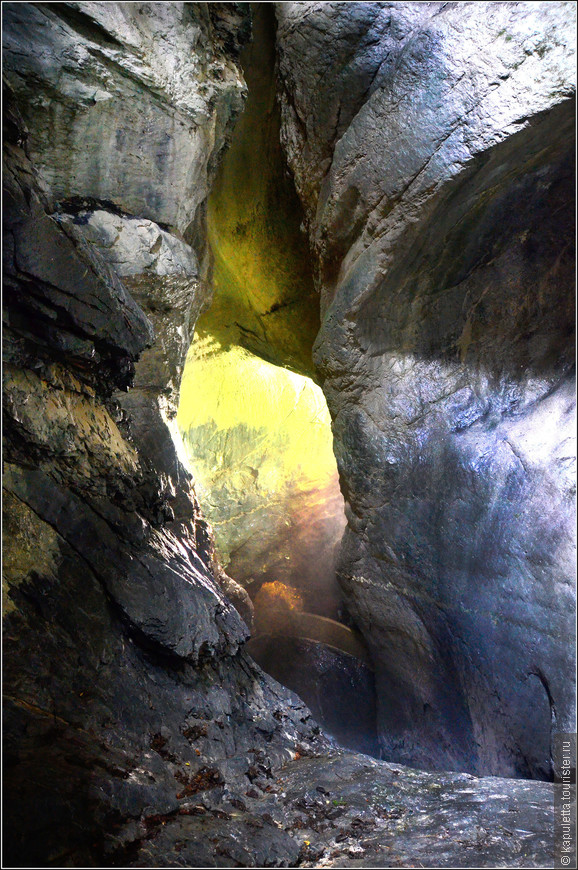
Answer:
(348, 810)
(430, 149)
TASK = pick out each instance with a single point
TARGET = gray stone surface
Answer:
(135, 728)
(44, 262)
(348, 810)
(156, 88)
(162, 588)
(432, 147)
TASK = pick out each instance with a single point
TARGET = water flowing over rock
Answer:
(430, 146)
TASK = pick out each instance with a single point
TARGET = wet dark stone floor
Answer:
(349, 810)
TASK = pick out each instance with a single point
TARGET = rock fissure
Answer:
(209, 211)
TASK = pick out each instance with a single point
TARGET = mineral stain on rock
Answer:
(399, 229)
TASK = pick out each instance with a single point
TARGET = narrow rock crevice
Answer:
(396, 197)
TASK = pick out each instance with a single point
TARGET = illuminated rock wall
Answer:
(264, 299)
(432, 146)
(260, 446)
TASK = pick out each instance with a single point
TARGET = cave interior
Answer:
(288, 432)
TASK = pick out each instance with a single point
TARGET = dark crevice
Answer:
(83, 24)
(76, 205)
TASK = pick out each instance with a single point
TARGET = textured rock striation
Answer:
(432, 148)
(156, 89)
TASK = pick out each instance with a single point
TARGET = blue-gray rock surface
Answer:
(432, 148)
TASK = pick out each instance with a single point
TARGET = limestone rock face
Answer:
(126, 690)
(141, 102)
(127, 104)
(264, 299)
(161, 273)
(432, 148)
(44, 260)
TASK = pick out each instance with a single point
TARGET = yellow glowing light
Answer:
(257, 417)
(259, 444)
(277, 595)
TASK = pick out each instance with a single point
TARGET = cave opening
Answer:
(255, 424)
(258, 441)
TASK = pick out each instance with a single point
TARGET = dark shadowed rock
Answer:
(45, 265)
(348, 810)
(338, 687)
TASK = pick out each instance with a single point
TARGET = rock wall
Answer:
(159, 88)
(126, 690)
(432, 148)
(136, 729)
(264, 299)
